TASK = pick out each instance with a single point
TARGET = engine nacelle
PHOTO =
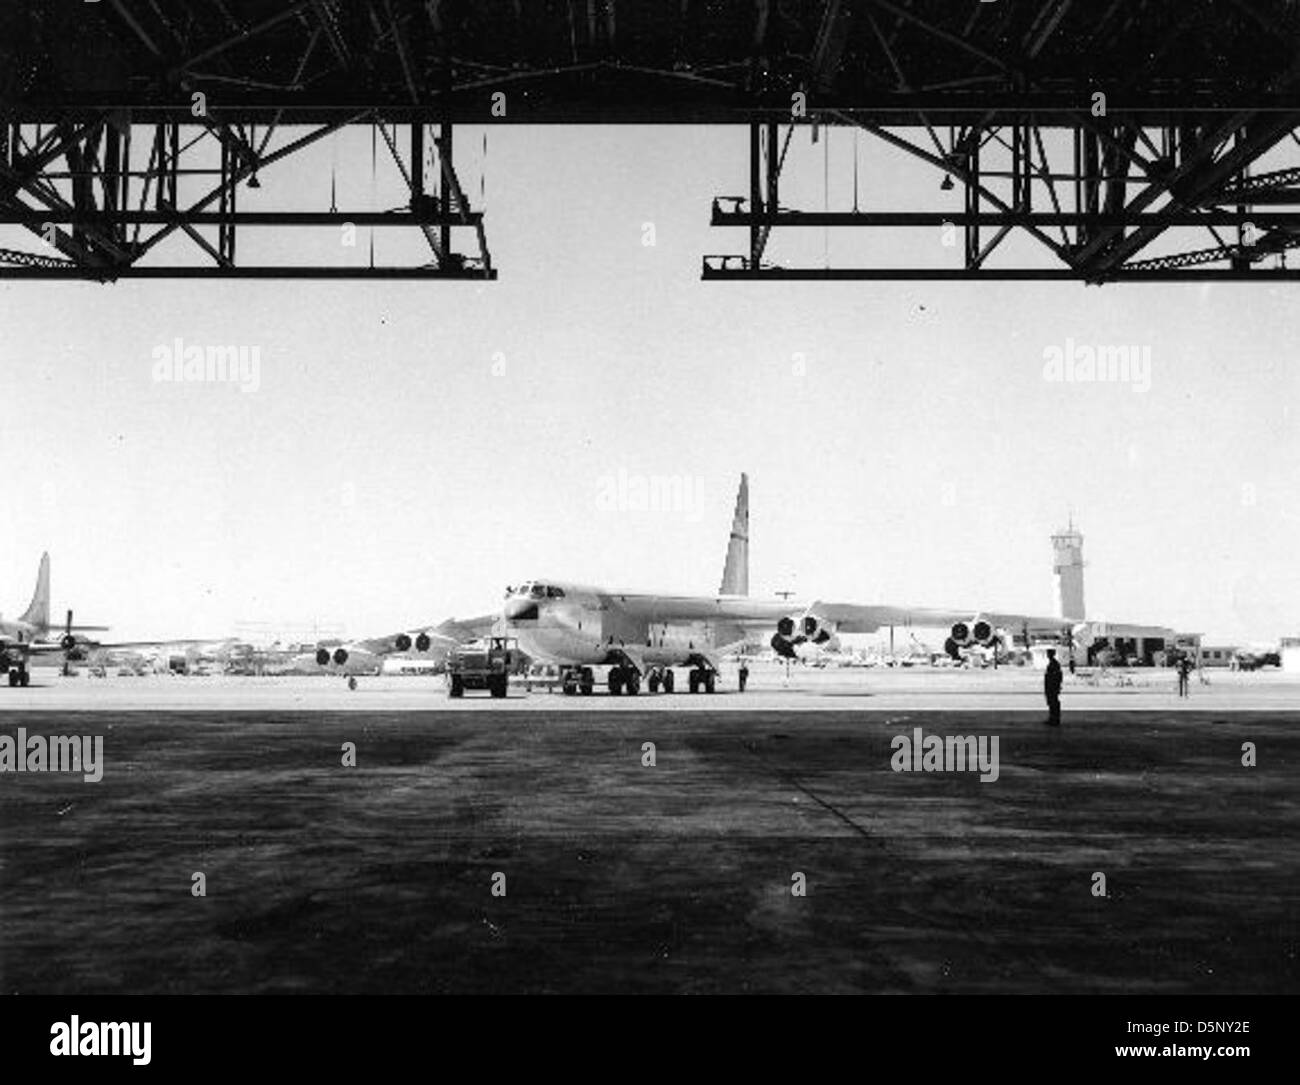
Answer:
(402, 643)
(323, 656)
(786, 640)
(340, 656)
(978, 632)
(422, 642)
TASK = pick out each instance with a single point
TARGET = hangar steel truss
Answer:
(1189, 172)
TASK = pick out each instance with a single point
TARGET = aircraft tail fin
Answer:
(735, 574)
(38, 613)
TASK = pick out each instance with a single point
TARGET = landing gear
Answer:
(20, 676)
(703, 680)
(578, 678)
(624, 680)
(661, 678)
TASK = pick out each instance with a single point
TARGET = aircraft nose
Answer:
(520, 610)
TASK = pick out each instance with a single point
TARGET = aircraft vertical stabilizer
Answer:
(735, 574)
(38, 613)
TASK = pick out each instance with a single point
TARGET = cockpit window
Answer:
(555, 593)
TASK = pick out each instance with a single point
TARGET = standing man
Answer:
(1052, 689)
(744, 675)
(1184, 675)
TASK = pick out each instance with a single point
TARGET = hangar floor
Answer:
(676, 877)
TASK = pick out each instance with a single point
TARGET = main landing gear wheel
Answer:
(703, 681)
(652, 682)
(588, 682)
(13, 678)
(624, 680)
(668, 680)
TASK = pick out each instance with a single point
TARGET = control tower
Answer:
(1067, 564)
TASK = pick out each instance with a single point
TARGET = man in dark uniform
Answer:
(1052, 689)
(744, 676)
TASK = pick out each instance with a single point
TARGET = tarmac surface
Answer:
(769, 689)
(622, 876)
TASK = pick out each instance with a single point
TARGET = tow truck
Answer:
(482, 664)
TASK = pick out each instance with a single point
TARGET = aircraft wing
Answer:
(796, 622)
(445, 635)
(844, 617)
(739, 609)
(467, 629)
(856, 618)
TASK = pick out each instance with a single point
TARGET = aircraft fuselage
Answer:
(557, 622)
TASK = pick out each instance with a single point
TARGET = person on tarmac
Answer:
(1052, 689)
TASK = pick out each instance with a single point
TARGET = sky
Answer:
(412, 448)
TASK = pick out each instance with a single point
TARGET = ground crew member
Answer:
(744, 676)
(1052, 689)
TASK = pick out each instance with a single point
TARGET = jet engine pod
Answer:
(323, 656)
(402, 643)
(961, 634)
(422, 642)
(815, 631)
(340, 656)
(784, 639)
(982, 631)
